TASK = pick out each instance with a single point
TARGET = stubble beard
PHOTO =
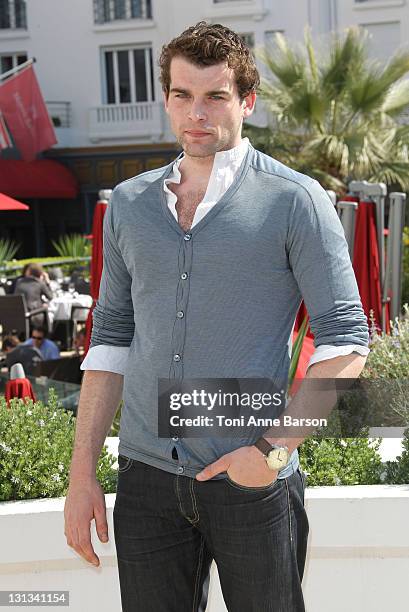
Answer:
(198, 149)
(206, 150)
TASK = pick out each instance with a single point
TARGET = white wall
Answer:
(357, 560)
(386, 20)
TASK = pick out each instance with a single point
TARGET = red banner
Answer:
(26, 114)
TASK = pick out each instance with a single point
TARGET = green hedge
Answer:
(36, 443)
(68, 264)
(345, 461)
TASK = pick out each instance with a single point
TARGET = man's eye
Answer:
(216, 98)
(181, 95)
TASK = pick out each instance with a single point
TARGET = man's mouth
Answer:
(197, 133)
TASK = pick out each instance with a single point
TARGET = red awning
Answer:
(42, 178)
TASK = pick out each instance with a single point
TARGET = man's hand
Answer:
(85, 501)
(245, 466)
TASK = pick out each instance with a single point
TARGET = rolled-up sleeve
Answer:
(113, 315)
(319, 258)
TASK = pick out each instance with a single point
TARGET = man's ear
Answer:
(249, 104)
(165, 100)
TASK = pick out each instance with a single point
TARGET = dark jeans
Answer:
(168, 528)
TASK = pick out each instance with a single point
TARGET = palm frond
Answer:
(8, 248)
(397, 98)
(393, 173)
(72, 245)
(346, 55)
(287, 66)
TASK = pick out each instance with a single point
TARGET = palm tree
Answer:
(336, 116)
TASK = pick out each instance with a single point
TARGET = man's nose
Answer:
(197, 112)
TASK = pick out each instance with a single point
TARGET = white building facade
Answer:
(97, 59)
(96, 62)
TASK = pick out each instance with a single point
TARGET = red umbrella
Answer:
(96, 262)
(301, 314)
(7, 203)
(19, 387)
(366, 262)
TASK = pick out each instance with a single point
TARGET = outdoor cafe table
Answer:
(60, 307)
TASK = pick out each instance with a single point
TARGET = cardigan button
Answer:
(180, 314)
(176, 357)
(187, 236)
(183, 276)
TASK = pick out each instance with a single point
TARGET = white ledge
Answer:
(121, 26)
(363, 6)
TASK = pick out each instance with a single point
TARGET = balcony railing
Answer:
(254, 9)
(107, 11)
(116, 121)
(13, 14)
(60, 113)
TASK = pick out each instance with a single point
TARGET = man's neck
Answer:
(198, 166)
(191, 167)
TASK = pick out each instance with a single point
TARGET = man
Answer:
(35, 286)
(18, 352)
(10, 342)
(205, 264)
(47, 348)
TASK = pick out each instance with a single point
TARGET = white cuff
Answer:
(329, 351)
(106, 358)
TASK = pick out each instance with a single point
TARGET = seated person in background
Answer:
(24, 272)
(19, 352)
(79, 341)
(10, 341)
(35, 285)
(38, 340)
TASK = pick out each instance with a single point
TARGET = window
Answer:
(128, 75)
(12, 14)
(384, 40)
(11, 60)
(106, 11)
(217, 1)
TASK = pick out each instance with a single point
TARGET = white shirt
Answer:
(225, 166)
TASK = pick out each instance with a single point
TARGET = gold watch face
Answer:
(277, 458)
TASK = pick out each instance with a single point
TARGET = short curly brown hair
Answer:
(206, 45)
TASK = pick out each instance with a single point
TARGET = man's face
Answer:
(38, 338)
(204, 107)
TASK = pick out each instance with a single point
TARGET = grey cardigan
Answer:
(220, 300)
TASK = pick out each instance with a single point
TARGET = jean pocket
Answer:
(240, 487)
(124, 464)
(303, 478)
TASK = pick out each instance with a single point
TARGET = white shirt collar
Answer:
(222, 160)
(225, 167)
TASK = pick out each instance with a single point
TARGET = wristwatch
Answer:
(277, 457)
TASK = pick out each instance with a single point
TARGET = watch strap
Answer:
(263, 446)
